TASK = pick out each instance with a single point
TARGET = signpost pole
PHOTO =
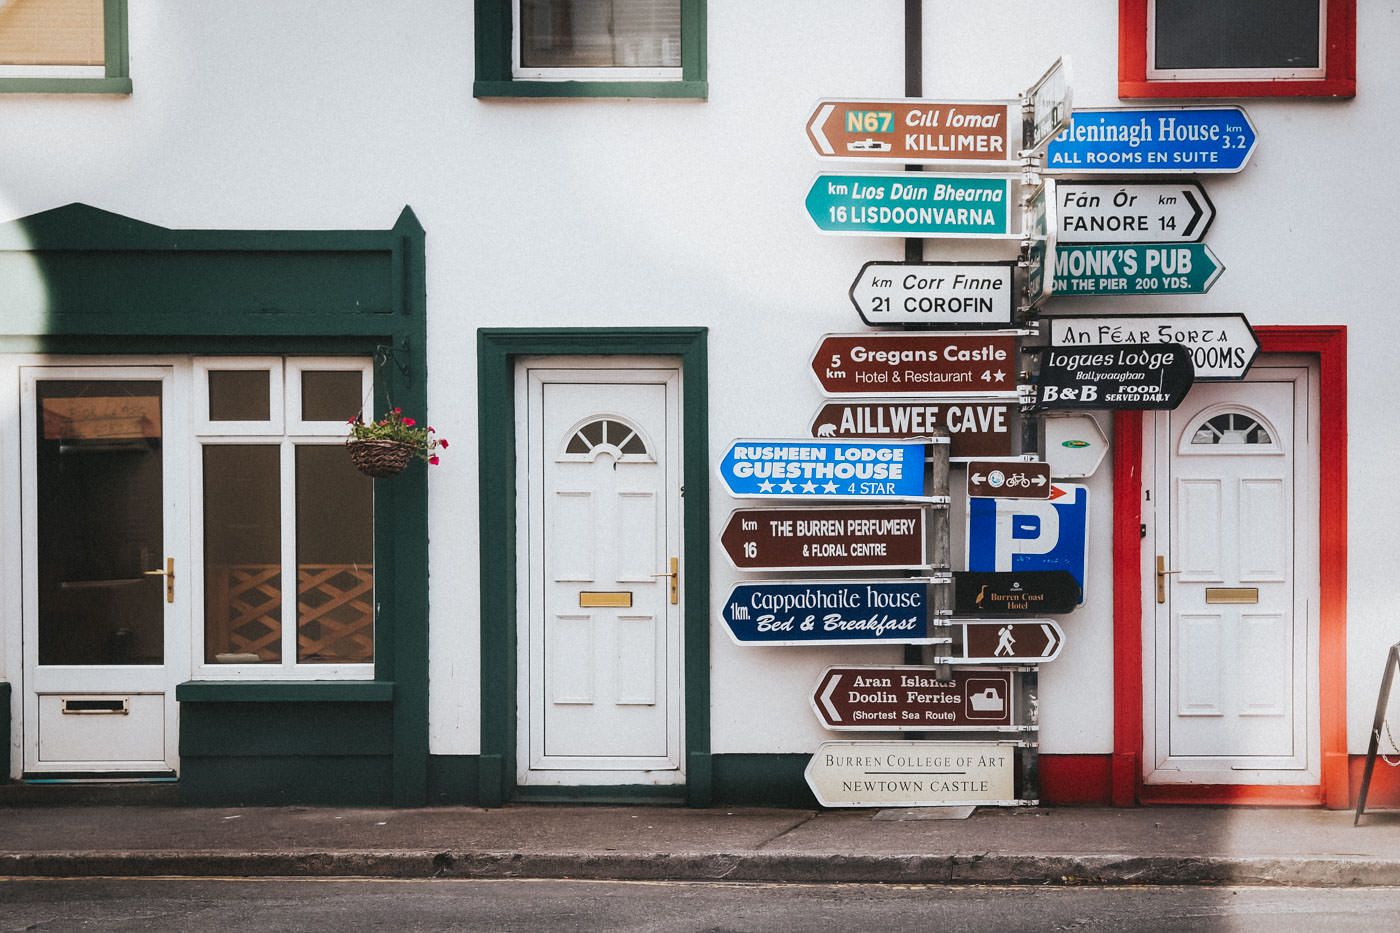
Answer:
(913, 87)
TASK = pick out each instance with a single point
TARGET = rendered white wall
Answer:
(594, 212)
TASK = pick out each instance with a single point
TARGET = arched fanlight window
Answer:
(1231, 429)
(611, 434)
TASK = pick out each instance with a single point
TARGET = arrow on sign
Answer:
(1135, 269)
(829, 706)
(1223, 346)
(1160, 140)
(910, 130)
(901, 698)
(1030, 641)
(1010, 480)
(815, 128)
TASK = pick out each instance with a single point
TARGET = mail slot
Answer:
(1232, 594)
(616, 599)
(89, 706)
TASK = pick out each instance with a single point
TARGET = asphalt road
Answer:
(235, 905)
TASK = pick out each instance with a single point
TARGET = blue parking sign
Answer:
(1015, 535)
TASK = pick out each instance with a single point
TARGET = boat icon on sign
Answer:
(986, 703)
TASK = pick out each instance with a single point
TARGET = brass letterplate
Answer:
(618, 599)
(1232, 594)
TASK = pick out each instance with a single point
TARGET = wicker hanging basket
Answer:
(379, 458)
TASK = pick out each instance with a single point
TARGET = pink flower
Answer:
(409, 422)
(433, 460)
(398, 411)
(442, 442)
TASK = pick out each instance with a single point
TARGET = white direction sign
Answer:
(1040, 226)
(1047, 105)
(1075, 445)
(914, 774)
(958, 293)
(1223, 346)
(1109, 212)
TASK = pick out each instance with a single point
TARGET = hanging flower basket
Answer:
(384, 447)
(379, 458)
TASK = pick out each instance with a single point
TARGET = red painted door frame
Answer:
(1328, 345)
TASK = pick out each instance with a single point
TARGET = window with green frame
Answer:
(64, 46)
(590, 48)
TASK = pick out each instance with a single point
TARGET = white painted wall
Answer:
(267, 114)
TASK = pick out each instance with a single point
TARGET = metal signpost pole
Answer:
(913, 88)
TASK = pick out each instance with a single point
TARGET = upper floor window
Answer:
(590, 48)
(73, 46)
(1243, 48)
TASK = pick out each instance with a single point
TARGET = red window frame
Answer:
(1339, 80)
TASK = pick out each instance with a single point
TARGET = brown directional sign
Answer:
(847, 538)
(1026, 591)
(917, 363)
(1008, 479)
(924, 131)
(975, 429)
(1027, 641)
(896, 698)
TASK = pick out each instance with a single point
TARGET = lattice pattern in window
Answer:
(607, 434)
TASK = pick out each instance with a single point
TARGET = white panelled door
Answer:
(1233, 641)
(600, 635)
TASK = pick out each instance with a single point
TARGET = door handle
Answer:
(1162, 573)
(169, 574)
(675, 574)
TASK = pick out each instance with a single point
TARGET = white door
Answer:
(102, 569)
(600, 687)
(1232, 651)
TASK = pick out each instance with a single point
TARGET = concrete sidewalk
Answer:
(1177, 845)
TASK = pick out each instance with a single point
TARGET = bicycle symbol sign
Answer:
(1008, 480)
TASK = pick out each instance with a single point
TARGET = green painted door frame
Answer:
(497, 352)
(81, 281)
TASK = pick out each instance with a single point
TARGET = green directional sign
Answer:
(1135, 269)
(922, 205)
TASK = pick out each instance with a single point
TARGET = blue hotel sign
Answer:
(1163, 141)
(823, 470)
(861, 612)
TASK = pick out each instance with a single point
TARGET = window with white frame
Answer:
(598, 39)
(1240, 48)
(590, 48)
(285, 522)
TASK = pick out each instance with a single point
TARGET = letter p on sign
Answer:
(1013, 535)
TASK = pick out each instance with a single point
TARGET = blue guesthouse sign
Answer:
(1163, 141)
(825, 470)
(828, 613)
